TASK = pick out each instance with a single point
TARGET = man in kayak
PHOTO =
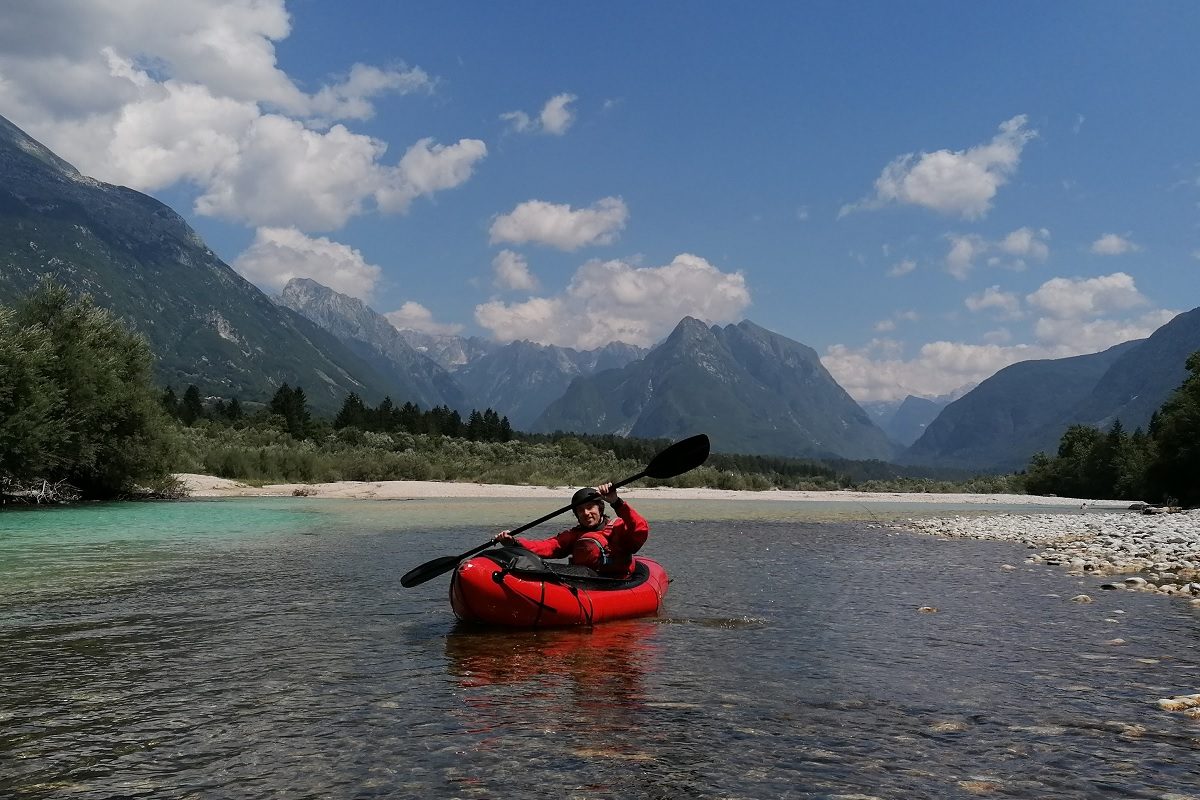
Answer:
(606, 545)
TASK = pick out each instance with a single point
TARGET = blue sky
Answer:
(922, 192)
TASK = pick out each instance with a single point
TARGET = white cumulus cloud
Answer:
(958, 183)
(1005, 304)
(1075, 298)
(279, 254)
(1014, 251)
(938, 368)
(512, 271)
(427, 168)
(1026, 243)
(1091, 336)
(416, 317)
(555, 118)
(1077, 316)
(616, 301)
(284, 173)
(963, 252)
(561, 226)
(150, 94)
(1111, 244)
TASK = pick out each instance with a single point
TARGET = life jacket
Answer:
(594, 549)
(608, 549)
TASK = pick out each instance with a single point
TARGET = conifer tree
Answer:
(170, 402)
(292, 405)
(192, 407)
(475, 430)
(491, 426)
(410, 418)
(352, 414)
(385, 416)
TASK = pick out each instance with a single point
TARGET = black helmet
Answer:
(583, 496)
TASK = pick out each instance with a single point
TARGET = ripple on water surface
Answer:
(265, 648)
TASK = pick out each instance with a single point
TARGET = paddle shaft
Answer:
(675, 460)
(570, 506)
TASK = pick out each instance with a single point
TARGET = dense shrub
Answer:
(77, 402)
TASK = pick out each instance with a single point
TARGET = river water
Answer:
(264, 648)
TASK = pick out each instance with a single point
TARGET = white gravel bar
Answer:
(1158, 550)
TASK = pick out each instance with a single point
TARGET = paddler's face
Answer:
(588, 515)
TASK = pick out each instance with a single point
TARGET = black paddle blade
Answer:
(429, 570)
(681, 457)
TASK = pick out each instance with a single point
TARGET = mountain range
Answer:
(1024, 408)
(752, 390)
(207, 325)
(757, 391)
(905, 420)
(421, 380)
(517, 379)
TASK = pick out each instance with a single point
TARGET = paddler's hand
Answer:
(504, 537)
(607, 493)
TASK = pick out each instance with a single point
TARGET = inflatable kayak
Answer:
(511, 586)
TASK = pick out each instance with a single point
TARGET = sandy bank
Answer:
(208, 486)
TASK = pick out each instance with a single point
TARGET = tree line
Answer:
(1161, 464)
(80, 416)
(290, 404)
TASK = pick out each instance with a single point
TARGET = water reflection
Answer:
(595, 676)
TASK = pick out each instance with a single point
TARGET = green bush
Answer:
(77, 401)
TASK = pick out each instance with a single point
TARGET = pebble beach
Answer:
(1147, 549)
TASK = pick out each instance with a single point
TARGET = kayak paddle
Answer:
(683, 456)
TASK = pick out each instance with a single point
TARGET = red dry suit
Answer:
(608, 550)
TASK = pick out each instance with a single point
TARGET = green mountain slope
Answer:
(1141, 379)
(207, 325)
(1026, 407)
(1008, 417)
(751, 390)
(370, 335)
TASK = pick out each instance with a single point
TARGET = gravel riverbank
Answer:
(1158, 552)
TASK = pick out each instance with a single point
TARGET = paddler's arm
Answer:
(632, 530)
(554, 547)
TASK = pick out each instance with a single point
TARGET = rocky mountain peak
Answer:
(15, 140)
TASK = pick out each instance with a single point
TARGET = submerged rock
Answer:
(1180, 703)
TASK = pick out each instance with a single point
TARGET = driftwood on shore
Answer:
(43, 492)
(14, 492)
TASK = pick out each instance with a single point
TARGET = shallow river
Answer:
(264, 648)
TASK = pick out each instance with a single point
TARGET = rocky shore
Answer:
(1157, 552)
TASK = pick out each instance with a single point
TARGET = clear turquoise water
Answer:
(264, 648)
